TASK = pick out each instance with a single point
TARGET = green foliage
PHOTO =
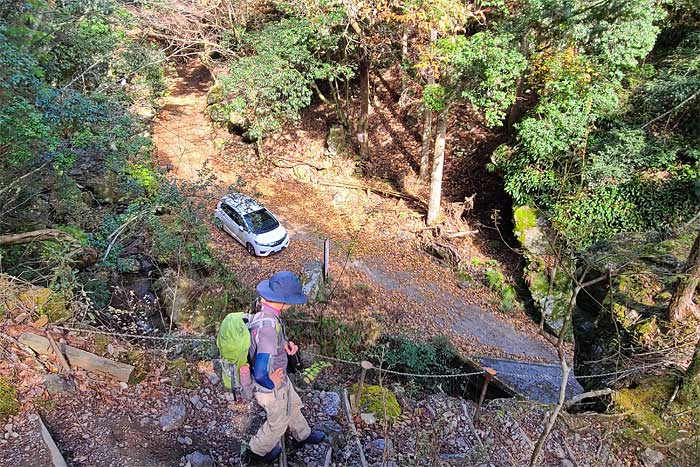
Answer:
(488, 65)
(273, 83)
(583, 155)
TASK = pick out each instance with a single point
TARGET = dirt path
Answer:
(381, 269)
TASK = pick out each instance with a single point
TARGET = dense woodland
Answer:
(586, 113)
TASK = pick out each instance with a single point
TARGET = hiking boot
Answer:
(315, 437)
(267, 458)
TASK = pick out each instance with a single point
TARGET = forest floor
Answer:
(96, 421)
(378, 261)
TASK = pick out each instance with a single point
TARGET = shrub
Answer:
(9, 405)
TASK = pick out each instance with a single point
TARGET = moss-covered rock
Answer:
(379, 401)
(181, 374)
(9, 405)
(216, 94)
(549, 280)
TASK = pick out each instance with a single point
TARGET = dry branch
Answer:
(36, 236)
(353, 186)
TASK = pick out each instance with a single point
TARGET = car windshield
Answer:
(261, 221)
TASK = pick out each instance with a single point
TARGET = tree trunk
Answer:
(425, 144)
(516, 109)
(692, 374)
(427, 125)
(404, 57)
(362, 137)
(682, 302)
(438, 163)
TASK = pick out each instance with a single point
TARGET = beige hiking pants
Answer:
(283, 409)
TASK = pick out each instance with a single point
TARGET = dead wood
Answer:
(40, 235)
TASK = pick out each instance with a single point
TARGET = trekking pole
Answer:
(490, 373)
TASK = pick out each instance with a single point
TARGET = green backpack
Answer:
(233, 342)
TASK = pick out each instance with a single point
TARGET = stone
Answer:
(56, 384)
(336, 142)
(197, 402)
(302, 172)
(186, 440)
(565, 463)
(173, 292)
(376, 448)
(330, 402)
(312, 280)
(174, 418)
(368, 418)
(651, 457)
(145, 112)
(197, 459)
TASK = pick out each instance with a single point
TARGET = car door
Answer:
(238, 227)
(227, 219)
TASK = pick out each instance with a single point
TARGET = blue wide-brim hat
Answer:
(282, 287)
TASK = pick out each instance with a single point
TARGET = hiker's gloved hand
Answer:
(277, 377)
(291, 348)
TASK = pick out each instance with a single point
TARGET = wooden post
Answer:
(365, 366)
(61, 358)
(326, 258)
(56, 457)
(490, 373)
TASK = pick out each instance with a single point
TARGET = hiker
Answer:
(270, 352)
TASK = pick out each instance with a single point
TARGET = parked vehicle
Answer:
(251, 224)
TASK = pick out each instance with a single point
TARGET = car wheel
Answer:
(250, 249)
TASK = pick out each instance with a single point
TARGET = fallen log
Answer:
(79, 358)
(36, 236)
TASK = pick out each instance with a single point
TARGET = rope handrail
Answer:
(359, 364)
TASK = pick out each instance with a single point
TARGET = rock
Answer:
(173, 291)
(213, 378)
(550, 288)
(368, 418)
(174, 418)
(197, 402)
(302, 172)
(379, 401)
(651, 457)
(186, 440)
(197, 459)
(56, 384)
(336, 142)
(565, 463)
(312, 280)
(330, 402)
(145, 112)
(376, 448)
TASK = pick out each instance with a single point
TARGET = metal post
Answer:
(365, 366)
(326, 258)
(490, 373)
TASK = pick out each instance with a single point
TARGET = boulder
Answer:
(173, 418)
(312, 280)
(173, 292)
(549, 282)
(378, 401)
(197, 459)
(336, 142)
(651, 457)
(56, 384)
(330, 403)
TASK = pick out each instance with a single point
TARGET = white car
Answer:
(251, 224)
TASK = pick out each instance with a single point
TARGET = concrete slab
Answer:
(534, 381)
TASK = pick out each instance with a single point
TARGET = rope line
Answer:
(359, 364)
